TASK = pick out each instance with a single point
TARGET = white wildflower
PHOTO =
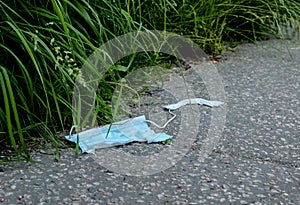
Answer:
(80, 79)
(70, 71)
(50, 23)
(57, 49)
(58, 58)
(52, 41)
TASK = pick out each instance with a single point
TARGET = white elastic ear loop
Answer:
(71, 130)
(162, 127)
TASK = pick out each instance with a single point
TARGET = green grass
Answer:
(43, 45)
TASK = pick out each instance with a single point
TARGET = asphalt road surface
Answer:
(256, 161)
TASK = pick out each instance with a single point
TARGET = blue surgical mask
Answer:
(119, 133)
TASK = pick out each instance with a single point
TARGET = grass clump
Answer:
(43, 45)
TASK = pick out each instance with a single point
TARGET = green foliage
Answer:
(44, 43)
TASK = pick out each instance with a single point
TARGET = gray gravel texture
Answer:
(257, 160)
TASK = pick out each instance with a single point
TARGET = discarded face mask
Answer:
(199, 101)
(130, 130)
(119, 133)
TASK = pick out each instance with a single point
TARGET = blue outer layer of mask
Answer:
(123, 132)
